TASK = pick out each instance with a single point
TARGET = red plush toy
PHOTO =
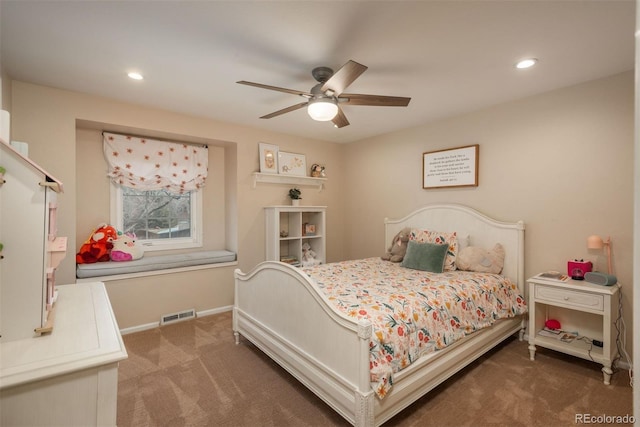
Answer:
(98, 246)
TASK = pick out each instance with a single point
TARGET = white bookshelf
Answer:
(285, 232)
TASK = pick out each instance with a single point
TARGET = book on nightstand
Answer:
(553, 275)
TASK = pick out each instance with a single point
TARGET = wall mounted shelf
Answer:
(273, 178)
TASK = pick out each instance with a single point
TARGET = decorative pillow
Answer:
(425, 256)
(439, 238)
(482, 260)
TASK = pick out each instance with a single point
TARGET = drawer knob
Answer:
(566, 298)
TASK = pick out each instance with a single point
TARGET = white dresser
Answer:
(70, 376)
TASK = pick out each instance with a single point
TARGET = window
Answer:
(159, 219)
(156, 190)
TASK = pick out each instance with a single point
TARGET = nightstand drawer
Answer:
(569, 297)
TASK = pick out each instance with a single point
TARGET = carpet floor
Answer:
(192, 374)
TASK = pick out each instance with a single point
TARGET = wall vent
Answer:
(177, 317)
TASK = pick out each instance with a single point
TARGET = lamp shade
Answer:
(322, 109)
(595, 242)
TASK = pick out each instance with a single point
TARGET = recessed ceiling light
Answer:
(526, 63)
(135, 76)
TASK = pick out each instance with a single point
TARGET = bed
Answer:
(292, 318)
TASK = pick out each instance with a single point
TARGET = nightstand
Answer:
(579, 306)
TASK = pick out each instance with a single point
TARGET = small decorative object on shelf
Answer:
(295, 195)
(284, 233)
(308, 229)
(2, 171)
(317, 171)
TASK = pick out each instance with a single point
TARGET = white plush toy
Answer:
(125, 248)
(473, 258)
(308, 255)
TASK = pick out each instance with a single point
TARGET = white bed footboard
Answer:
(278, 310)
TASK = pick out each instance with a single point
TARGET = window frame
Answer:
(150, 245)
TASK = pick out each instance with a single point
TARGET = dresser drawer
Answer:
(569, 297)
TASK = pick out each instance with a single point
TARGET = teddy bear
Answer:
(398, 247)
(98, 246)
(473, 258)
(126, 248)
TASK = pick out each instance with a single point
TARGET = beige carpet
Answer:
(193, 374)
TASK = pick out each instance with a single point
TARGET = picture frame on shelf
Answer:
(292, 164)
(453, 167)
(268, 157)
(308, 229)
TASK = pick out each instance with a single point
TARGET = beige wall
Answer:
(561, 161)
(48, 120)
(5, 92)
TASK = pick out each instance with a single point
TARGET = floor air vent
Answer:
(177, 317)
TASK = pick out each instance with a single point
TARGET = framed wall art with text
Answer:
(453, 167)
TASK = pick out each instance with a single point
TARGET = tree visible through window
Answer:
(156, 214)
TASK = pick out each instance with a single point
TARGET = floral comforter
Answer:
(414, 312)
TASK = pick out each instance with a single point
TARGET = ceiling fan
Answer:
(324, 99)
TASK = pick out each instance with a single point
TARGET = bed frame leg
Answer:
(237, 336)
(364, 409)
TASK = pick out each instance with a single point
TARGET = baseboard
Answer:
(214, 311)
(139, 328)
(153, 325)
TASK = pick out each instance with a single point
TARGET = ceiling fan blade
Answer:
(285, 110)
(342, 78)
(340, 120)
(374, 100)
(279, 89)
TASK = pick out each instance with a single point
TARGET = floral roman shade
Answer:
(148, 164)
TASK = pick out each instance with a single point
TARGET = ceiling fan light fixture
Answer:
(322, 109)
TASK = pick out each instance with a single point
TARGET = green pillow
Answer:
(425, 256)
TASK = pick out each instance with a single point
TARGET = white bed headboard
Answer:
(482, 231)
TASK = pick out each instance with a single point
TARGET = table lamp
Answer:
(596, 242)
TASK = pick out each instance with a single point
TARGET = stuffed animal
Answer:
(473, 258)
(308, 255)
(98, 246)
(398, 247)
(126, 248)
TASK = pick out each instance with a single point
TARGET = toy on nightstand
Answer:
(578, 268)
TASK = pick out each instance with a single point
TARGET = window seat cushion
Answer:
(152, 263)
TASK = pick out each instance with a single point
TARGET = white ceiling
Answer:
(450, 57)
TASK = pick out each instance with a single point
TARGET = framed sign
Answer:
(268, 158)
(292, 164)
(455, 167)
